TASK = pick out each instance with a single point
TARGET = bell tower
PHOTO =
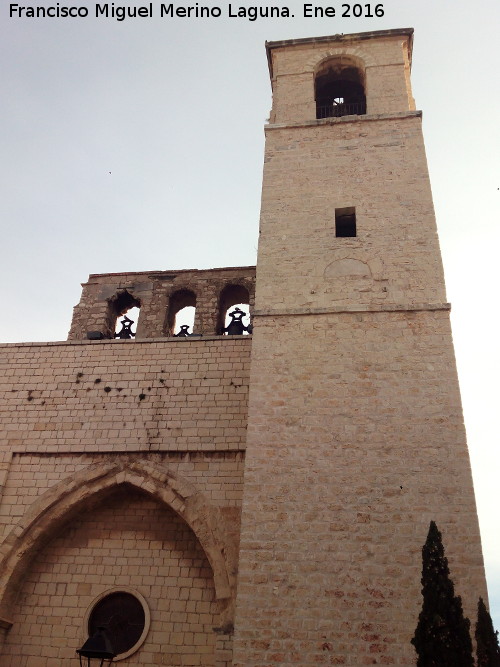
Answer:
(355, 433)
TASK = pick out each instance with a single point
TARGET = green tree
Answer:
(442, 636)
(488, 650)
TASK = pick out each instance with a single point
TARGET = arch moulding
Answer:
(362, 58)
(51, 511)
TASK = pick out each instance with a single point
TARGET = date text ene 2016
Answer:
(348, 11)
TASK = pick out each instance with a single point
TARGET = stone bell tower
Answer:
(355, 436)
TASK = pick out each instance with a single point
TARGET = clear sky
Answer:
(138, 144)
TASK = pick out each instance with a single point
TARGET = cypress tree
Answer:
(442, 636)
(488, 650)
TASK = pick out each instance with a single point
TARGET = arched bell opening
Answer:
(123, 316)
(181, 313)
(339, 88)
(234, 311)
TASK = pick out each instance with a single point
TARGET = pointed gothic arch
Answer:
(55, 508)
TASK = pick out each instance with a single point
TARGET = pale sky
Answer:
(138, 145)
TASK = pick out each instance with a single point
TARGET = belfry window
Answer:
(234, 311)
(345, 222)
(124, 315)
(181, 313)
(339, 90)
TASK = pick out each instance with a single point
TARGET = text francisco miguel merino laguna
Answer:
(120, 13)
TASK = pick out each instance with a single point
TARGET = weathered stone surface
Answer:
(154, 291)
(355, 429)
(69, 445)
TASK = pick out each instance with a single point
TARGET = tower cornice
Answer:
(340, 38)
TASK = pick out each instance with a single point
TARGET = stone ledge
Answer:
(77, 450)
(20, 451)
(349, 38)
(168, 274)
(397, 115)
(117, 341)
(353, 309)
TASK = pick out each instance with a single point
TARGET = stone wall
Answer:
(128, 542)
(376, 165)
(122, 466)
(185, 394)
(355, 443)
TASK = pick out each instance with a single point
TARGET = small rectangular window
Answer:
(345, 221)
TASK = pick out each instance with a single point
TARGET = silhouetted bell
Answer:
(184, 331)
(125, 331)
(236, 326)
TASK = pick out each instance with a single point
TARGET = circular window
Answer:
(124, 615)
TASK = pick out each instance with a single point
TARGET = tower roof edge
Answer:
(357, 36)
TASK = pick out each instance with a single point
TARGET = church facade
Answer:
(254, 490)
